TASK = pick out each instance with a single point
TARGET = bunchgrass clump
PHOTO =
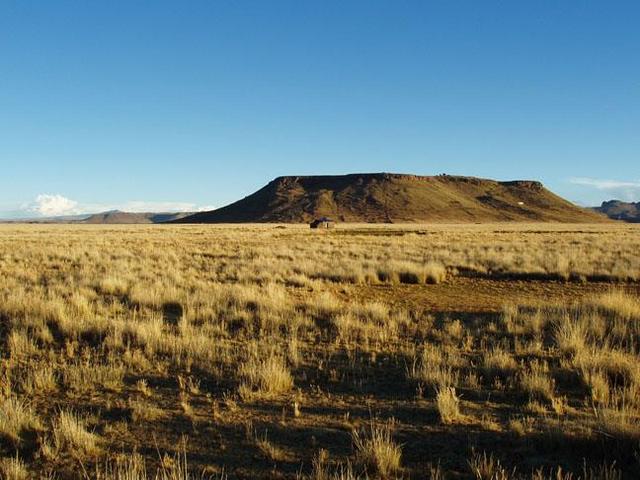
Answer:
(266, 376)
(70, 433)
(448, 405)
(376, 449)
(17, 421)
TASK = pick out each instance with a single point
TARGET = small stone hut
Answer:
(322, 222)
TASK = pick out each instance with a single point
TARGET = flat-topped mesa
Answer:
(398, 198)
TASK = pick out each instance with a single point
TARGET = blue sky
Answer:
(185, 105)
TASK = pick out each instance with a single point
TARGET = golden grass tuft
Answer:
(499, 362)
(17, 420)
(13, 468)
(70, 433)
(487, 467)
(377, 450)
(620, 304)
(323, 471)
(448, 405)
(412, 273)
(433, 366)
(267, 376)
(536, 381)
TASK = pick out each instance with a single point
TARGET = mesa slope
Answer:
(398, 198)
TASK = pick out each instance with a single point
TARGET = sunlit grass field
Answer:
(271, 351)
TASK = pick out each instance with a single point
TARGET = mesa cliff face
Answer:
(397, 198)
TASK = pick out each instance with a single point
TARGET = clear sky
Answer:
(190, 104)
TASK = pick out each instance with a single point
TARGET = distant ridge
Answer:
(398, 198)
(118, 217)
(618, 210)
(111, 217)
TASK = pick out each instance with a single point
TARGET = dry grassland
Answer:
(483, 352)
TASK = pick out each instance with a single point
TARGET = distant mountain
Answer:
(618, 210)
(117, 217)
(398, 198)
(110, 217)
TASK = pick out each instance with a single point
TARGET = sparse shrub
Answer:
(293, 351)
(435, 472)
(123, 467)
(412, 273)
(535, 381)
(325, 306)
(70, 433)
(39, 380)
(189, 384)
(377, 450)
(559, 405)
(598, 386)
(448, 405)
(472, 380)
(570, 335)
(619, 367)
(113, 286)
(13, 468)
(21, 345)
(87, 375)
(132, 467)
(17, 421)
(268, 448)
(499, 362)
(432, 366)
(143, 387)
(323, 471)
(521, 425)
(618, 303)
(177, 468)
(143, 411)
(485, 467)
(434, 272)
(602, 472)
(619, 422)
(265, 376)
(509, 318)
(187, 409)
(454, 329)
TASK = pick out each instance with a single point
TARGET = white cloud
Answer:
(53, 205)
(627, 190)
(603, 184)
